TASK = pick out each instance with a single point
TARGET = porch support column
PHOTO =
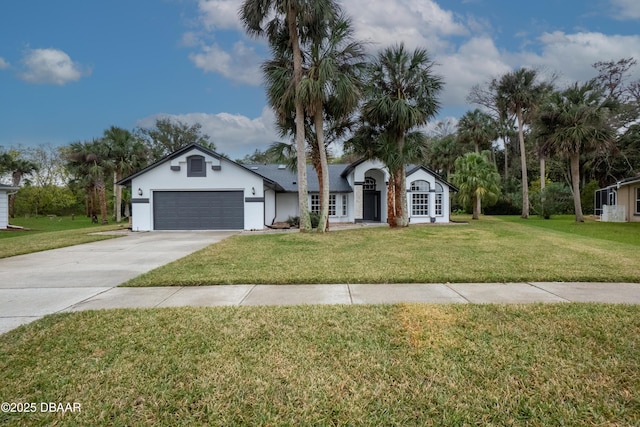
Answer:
(358, 213)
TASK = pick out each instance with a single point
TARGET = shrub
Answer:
(293, 221)
(556, 198)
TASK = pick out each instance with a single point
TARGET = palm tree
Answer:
(89, 162)
(400, 95)
(573, 121)
(518, 94)
(18, 167)
(330, 92)
(295, 21)
(477, 179)
(127, 154)
(478, 128)
(444, 150)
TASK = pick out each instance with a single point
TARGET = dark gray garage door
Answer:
(198, 210)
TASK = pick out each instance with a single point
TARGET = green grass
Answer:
(494, 249)
(44, 233)
(537, 365)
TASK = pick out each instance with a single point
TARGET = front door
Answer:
(371, 206)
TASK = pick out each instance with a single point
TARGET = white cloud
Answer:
(51, 66)
(220, 14)
(242, 64)
(571, 55)
(626, 9)
(416, 22)
(233, 134)
(3, 64)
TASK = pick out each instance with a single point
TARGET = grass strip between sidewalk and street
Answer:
(535, 365)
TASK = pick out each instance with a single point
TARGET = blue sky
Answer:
(70, 69)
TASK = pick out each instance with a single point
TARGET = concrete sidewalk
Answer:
(19, 306)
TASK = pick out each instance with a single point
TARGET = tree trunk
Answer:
(575, 183)
(102, 197)
(303, 193)
(523, 162)
(506, 162)
(476, 206)
(117, 191)
(391, 201)
(323, 178)
(402, 215)
(543, 172)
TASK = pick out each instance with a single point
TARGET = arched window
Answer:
(439, 199)
(369, 183)
(420, 198)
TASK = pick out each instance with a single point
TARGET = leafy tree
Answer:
(401, 93)
(12, 162)
(127, 154)
(444, 150)
(296, 22)
(170, 135)
(518, 93)
(477, 128)
(573, 121)
(477, 180)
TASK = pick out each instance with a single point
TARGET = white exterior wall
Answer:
(4, 209)
(229, 177)
(286, 206)
(422, 175)
(269, 207)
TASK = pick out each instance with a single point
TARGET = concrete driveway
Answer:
(41, 283)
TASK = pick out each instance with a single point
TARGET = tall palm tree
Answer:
(400, 95)
(477, 179)
(89, 161)
(18, 167)
(573, 121)
(295, 21)
(330, 92)
(444, 150)
(127, 154)
(478, 128)
(518, 94)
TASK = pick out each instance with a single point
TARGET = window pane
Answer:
(315, 203)
(420, 204)
(420, 186)
(438, 204)
(332, 205)
(344, 205)
(369, 183)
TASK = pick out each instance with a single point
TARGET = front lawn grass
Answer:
(537, 365)
(494, 249)
(44, 233)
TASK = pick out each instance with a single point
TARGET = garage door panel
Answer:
(198, 210)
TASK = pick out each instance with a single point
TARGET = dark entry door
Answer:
(371, 206)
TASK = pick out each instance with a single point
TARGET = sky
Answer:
(71, 69)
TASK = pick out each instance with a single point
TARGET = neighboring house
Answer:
(197, 189)
(619, 202)
(5, 191)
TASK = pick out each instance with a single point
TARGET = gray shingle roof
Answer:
(288, 179)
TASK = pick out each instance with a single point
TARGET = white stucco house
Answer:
(5, 191)
(197, 189)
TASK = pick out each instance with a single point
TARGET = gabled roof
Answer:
(288, 179)
(410, 169)
(8, 187)
(183, 150)
(626, 181)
